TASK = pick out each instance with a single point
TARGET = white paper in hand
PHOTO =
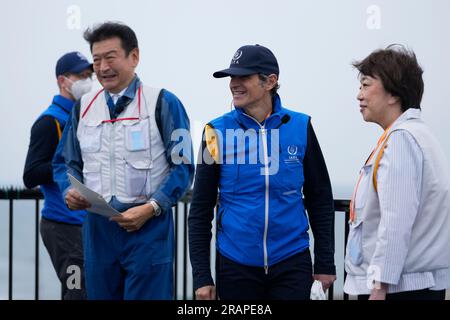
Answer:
(317, 292)
(98, 204)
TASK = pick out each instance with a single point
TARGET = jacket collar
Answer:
(63, 103)
(409, 114)
(274, 120)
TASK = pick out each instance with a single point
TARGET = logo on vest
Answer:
(292, 151)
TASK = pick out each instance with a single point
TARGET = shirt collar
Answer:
(129, 92)
(116, 96)
(63, 102)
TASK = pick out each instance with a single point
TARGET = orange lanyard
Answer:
(352, 202)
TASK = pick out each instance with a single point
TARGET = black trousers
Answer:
(290, 279)
(425, 294)
(64, 245)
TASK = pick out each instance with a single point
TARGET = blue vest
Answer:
(262, 221)
(54, 206)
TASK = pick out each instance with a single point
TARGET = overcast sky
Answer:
(183, 42)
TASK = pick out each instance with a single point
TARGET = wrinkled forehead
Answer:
(107, 46)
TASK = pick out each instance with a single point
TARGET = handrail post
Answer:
(185, 246)
(36, 252)
(10, 268)
(347, 230)
(175, 280)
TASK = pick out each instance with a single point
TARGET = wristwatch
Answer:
(156, 208)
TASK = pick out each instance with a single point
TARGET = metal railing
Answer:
(181, 242)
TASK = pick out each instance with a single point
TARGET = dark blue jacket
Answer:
(44, 140)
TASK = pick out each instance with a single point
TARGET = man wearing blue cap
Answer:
(263, 159)
(60, 228)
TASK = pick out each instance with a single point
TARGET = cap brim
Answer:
(233, 72)
(81, 67)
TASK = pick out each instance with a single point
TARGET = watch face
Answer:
(156, 209)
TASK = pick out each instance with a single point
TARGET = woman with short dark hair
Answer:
(398, 246)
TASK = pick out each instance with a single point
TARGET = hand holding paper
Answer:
(98, 204)
(75, 201)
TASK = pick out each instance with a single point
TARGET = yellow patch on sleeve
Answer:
(211, 142)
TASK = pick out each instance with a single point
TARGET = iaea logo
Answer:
(236, 57)
(292, 150)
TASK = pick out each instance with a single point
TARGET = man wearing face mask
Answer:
(60, 228)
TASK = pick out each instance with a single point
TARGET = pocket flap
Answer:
(354, 245)
(128, 123)
(132, 122)
(163, 260)
(355, 224)
(140, 164)
(91, 167)
(92, 123)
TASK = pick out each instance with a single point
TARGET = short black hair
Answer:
(399, 72)
(110, 30)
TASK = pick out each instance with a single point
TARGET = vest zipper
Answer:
(266, 205)
(112, 160)
(266, 173)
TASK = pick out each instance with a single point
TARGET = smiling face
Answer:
(376, 104)
(246, 90)
(250, 91)
(113, 67)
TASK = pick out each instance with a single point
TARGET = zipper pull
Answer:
(266, 269)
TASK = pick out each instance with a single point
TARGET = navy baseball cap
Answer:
(72, 62)
(250, 59)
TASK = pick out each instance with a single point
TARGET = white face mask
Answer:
(80, 87)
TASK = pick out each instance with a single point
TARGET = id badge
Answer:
(137, 140)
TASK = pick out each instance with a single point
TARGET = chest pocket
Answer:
(354, 246)
(138, 162)
(93, 177)
(290, 172)
(137, 135)
(90, 136)
(363, 187)
(137, 177)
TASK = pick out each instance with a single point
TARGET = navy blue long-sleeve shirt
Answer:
(43, 142)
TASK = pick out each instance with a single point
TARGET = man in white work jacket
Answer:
(119, 144)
